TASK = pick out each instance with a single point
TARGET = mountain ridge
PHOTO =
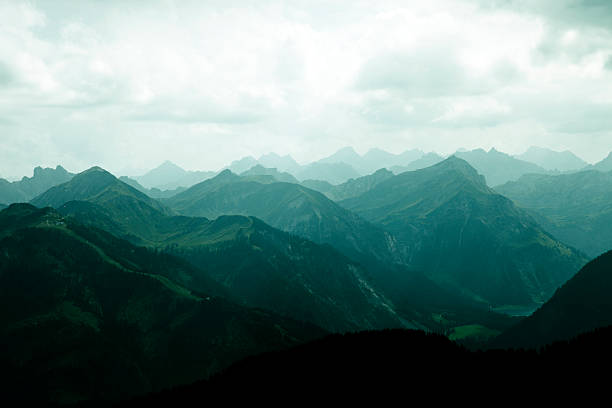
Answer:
(445, 216)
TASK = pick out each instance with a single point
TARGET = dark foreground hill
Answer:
(86, 316)
(401, 364)
(582, 304)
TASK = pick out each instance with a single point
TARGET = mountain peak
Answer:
(346, 153)
(95, 169)
(169, 164)
(224, 173)
(20, 208)
(347, 149)
(382, 171)
(375, 151)
(272, 155)
(454, 163)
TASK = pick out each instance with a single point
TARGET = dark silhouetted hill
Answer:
(581, 305)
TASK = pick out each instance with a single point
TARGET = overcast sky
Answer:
(129, 84)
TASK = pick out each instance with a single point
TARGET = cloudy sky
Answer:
(129, 84)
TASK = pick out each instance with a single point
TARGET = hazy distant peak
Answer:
(243, 164)
(377, 154)
(375, 150)
(553, 160)
(347, 153)
(273, 155)
(169, 164)
(224, 174)
(244, 159)
(348, 150)
(261, 167)
(382, 171)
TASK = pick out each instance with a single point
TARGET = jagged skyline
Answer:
(347, 163)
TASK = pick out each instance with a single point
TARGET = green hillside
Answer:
(289, 207)
(84, 315)
(260, 265)
(465, 236)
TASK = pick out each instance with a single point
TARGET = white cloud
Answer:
(201, 83)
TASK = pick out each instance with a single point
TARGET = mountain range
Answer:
(168, 179)
(449, 224)
(263, 266)
(346, 164)
(108, 319)
(331, 172)
(498, 167)
(576, 207)
(337, 168)
(236, 249)
(289, 207)
(110, 288)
